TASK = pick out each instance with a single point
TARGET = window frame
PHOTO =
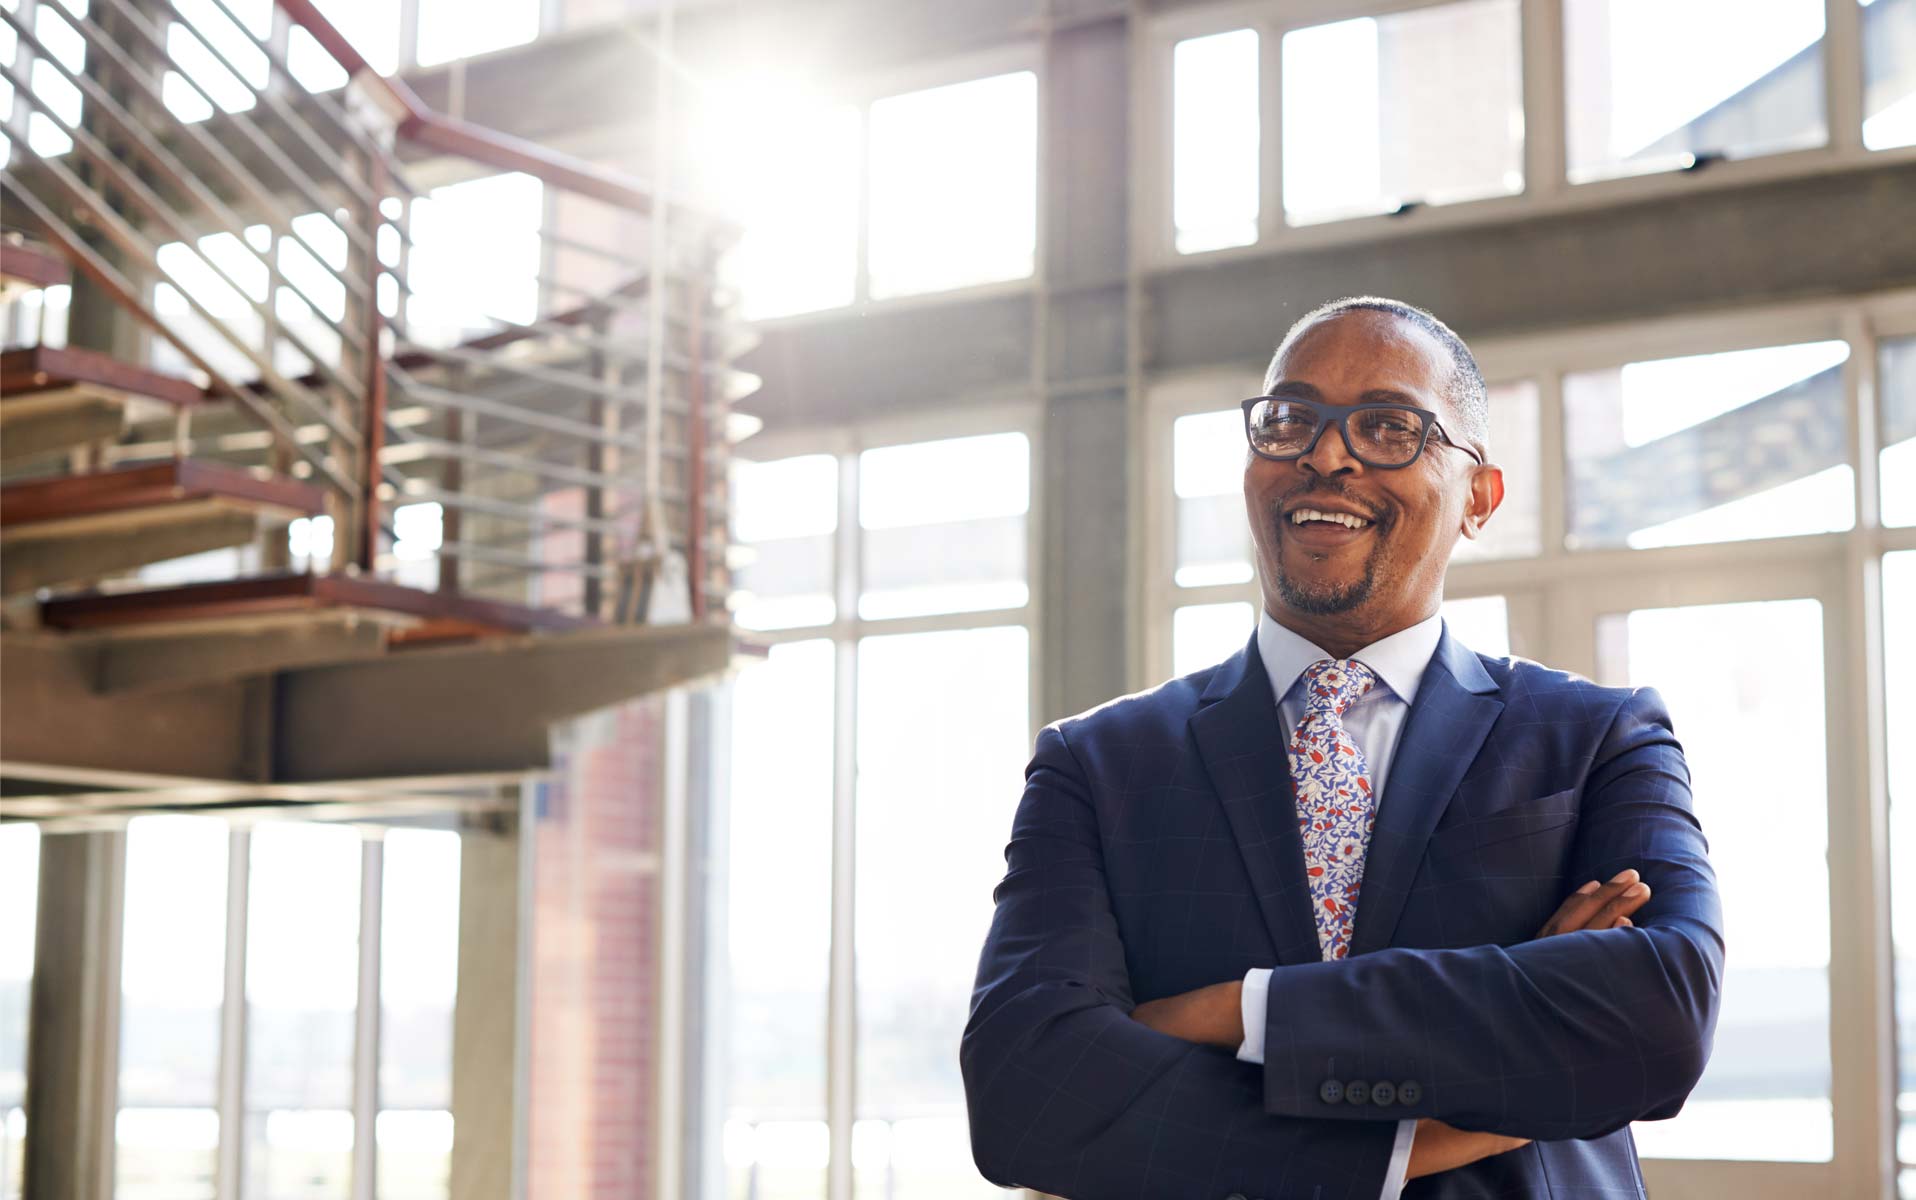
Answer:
(846, 632)
(1547, 189)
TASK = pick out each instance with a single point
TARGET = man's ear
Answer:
(1486, 494)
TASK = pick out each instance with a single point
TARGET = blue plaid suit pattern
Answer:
(1155, 850)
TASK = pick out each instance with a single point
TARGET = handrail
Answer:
(434, 130)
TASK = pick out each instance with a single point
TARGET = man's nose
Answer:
(1330, 454)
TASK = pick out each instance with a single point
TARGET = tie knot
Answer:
(1334, 684)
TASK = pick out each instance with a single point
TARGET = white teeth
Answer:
(1311, 514)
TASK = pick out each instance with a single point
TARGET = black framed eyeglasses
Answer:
(1283, 428)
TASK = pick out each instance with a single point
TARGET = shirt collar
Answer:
(1399, 659)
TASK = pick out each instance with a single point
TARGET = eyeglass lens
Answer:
(1384, 436)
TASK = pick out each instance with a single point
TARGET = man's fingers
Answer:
(1585, 907)
(1622, 904)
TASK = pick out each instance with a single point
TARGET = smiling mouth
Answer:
(1317, 518)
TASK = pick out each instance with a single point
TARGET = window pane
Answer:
(457, 293)
(1889, 73)
(66, 44)
(218, 38)
(372, 26)
(1766, 1092)
(799, 248)
(1207, 474)
(302, 987)
(172, 990)
(1516, 529)
(1481, 623)
(1710, 448)
(783, 516)
(945, 768)
(418, 980)
(1420, 107)
(1653, 85)
(20, 900)
(954, 185)
(1214, 140)
(1899, 678)
(944, 525)
(777, 908)
(1205, 634)
(1896, 383)
(450, 29)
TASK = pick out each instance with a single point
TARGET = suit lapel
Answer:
(1455, 708)
(1242, 741)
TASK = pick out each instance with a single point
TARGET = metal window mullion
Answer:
(1842, 50)
(230, 1097)
(673, 911)
(841, 999)
(1541, 61)
(1862, 1009)
(1270, 131)
(366, 1022)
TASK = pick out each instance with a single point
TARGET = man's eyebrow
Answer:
(1302, 391)
(1387, 396)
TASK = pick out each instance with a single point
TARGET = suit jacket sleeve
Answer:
(1572, 1036)
(1068, 1095)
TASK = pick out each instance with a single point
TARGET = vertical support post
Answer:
(452, 480)
(487, 1015)
(373, 430)
(695, 431)
(230, 1174)
(602, 458)
(73, 1026)
(841, 1000)
(366, 1015)
(1084, 375)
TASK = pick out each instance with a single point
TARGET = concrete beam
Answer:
(485, 707)
(73, 1026)
(1682, 254)
(151, 663)
(870, 363)
(52, 429)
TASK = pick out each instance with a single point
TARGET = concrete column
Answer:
(1084, 355)
(73, 1024)
(488, 1033)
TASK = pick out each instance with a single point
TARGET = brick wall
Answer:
(594, 959)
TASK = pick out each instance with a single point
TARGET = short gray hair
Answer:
(1465, 389)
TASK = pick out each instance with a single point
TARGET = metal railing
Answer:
(567, 416)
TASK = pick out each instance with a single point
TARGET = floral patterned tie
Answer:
(1334, 803)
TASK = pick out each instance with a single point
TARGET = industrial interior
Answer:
(536, 536)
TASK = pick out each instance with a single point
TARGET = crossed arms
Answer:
(1071, 1091)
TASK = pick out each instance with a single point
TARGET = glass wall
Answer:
(1899, 678)
(172, 995)
(1766, 1093)
(302, 973)
(1708, 448)
(1420, 107)
(418, 981)
(19, 899)
(776, 911)
(936, 723)
(1896, 384)
(1214, 141)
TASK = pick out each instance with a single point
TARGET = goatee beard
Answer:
(1322, 601)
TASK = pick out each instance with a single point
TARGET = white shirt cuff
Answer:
(1257, 986)
(1399, 1160)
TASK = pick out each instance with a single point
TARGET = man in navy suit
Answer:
(1357, 912)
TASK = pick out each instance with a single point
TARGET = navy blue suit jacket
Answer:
(1156, 850)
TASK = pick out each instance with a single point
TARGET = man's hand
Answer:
(1211, 1016)
(1599, 906)
(1440, 1147)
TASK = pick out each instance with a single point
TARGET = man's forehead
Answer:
(1341, 356)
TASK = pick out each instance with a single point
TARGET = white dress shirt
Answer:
(1374, 723)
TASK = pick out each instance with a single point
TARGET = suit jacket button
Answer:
(1330, 1092)
(1383, 1092)
(1357, 1091)
(1408, 1092)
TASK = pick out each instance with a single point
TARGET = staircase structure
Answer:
(293, 513)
